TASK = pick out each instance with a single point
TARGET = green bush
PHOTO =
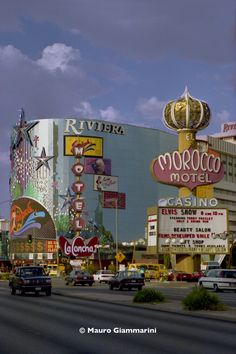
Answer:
(4, 276)
(91, 269)
(148, 295)
(202, 299)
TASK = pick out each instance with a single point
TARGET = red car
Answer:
(79, 277)
(195, 276)
(179, 276)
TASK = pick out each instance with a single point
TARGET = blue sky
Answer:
(114, 60)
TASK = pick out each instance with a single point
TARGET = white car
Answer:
(103, 276)
(219, 280)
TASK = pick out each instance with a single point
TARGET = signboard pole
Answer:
(116, 231)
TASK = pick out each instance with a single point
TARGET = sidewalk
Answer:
(116, 297)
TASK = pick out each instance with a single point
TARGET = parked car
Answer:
(195, 276)
(179, 275)
(77, 277)
(103, 275)
(219, 280)
(126, 279)
(30, 279)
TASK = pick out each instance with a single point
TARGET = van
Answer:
(50, 269)
(210, 265)
(151, 270)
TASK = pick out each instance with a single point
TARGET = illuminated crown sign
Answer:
(186, 113)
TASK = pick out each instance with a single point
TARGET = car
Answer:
(179, 276)
(126, 279)
(195, 276)
(103, 275)
(30, 279)
(219, 280)
(77, 277)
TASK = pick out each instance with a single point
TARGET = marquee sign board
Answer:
(192, 230)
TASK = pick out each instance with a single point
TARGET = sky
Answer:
(120, 61)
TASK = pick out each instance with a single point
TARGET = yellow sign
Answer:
(92, 146)
(120, 257)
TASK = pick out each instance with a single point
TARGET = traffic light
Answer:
(29, 239)
(59, 252)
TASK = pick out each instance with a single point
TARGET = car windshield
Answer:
(32, 272)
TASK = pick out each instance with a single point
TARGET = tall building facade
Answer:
(115, 173)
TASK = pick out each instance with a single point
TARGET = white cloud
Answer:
(151, 107)
(129, 27)
(223, 116)
(110, 113)
(59, 56)
(84, 109)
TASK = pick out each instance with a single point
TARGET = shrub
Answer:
(148, 295)
(202, 299)
(90, 268)
(4, 276)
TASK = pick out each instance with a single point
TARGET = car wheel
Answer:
(215, 287)
(120, 287)
(90, 284)
(140, 287)
(67, 283)
(111, 287)
(74, 283)
(200, 285)
(22, 292)
(13, 291)
(48, 292)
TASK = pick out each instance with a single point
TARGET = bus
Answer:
(151, 270)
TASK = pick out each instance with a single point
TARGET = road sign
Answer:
(120, 256)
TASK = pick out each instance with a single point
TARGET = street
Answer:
(38, 324)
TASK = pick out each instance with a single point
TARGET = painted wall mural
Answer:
(29, 217)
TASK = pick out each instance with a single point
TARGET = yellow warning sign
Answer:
(120, 256)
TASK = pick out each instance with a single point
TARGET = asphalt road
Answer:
(46, 325)
(171, 290)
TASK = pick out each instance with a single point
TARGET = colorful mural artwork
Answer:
(28, 214)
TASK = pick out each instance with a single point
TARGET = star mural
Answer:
(43, 160)
(22, 130)
(68, 197)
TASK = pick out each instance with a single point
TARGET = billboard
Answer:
(28, 216)
(105, 183)
(92, 146)
(192, 230)
(190, 168)
(114, 200)
(97, 166)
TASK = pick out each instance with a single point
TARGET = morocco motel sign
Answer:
(190, 168)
